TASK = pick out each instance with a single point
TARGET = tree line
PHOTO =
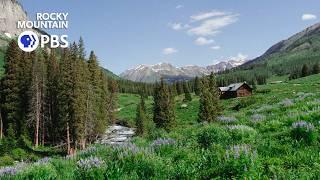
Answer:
(304, 71)
(55, 97)
(164, 104)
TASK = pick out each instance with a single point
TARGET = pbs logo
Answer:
(28, 41)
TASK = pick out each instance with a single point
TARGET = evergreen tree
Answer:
(52, 100)
(305, 70)
(209, 100)
(197, 86)
(65, 95)
(163, 110)
(1, 124)
(10, 89)
(179, 88)
(112, 100)
(140, 117)
(187, 95)
(316, 68)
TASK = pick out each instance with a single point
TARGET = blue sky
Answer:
(125, 33)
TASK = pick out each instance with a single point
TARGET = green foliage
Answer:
(19, 154)
(263, 91)
(304, 131)
(43, 171)
(141, 118)
(6, 160)
(210, 106)
(187, 95)
(163, 110)
(245, 102)
(305, 70)
(212, 135)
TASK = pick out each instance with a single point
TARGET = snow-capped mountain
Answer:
(152, 73)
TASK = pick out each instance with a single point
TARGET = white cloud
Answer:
(168, 51)
(306, 17)
(179, 26)
(179, 6)
(211, 27)
(203, 41)
(215, 47)
(206, 15)
(239, 57)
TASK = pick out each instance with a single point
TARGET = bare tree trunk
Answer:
(68, 139)
(1, 126)
(36, 135)
(43, 131)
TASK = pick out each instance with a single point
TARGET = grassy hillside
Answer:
(255, 137)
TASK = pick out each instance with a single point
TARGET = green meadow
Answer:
(273, 134)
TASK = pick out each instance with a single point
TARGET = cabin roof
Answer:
(233, 87)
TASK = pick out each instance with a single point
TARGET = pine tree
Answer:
(54, 123)
(79, 98)
(316, 68)
(209, 100)
(163, 110)
(140, 117)
(197, 86)
(187, 95)
(112, 100)
(25, 78)
(10, 89)
(305, 70)
(65, 96)
(93, 104)
(179, 87)
(1, 125)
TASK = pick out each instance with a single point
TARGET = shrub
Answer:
(302, 130)
(242, 133)
(90, 168)
(38, 172)
(239, 161)
(212, 135)
(245, 102)
(6, 161)
(19, 154)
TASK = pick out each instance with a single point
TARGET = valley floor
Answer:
(270, 135)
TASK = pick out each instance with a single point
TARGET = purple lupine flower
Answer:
(238, 150)
(257, 118)
(240, 127)
(226, 119)
(89, 150)
(12, 170)
(303, 124)
(129, 149)
(287, 102)
(90, 163)
(44, 160)
(302, 95)
(162, 142)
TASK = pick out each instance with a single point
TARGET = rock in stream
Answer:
(117, 134)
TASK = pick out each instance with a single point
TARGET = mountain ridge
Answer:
(152, 73)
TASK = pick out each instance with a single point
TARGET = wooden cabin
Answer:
(235, 90)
